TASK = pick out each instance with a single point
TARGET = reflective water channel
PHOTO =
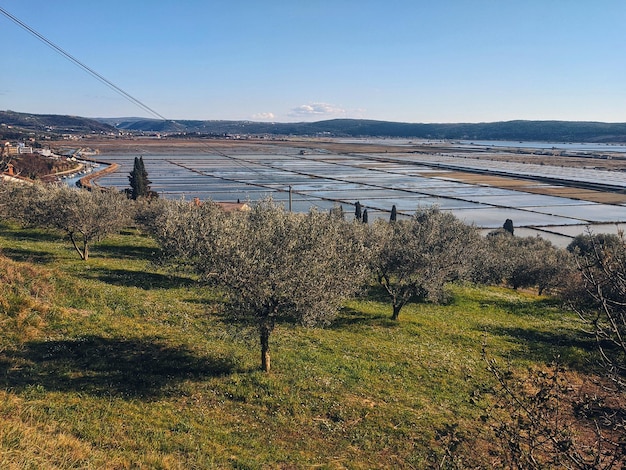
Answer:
(319, 178)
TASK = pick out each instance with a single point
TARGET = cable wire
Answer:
(82, 65)
(120, 91)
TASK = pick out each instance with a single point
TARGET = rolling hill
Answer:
(550, 131)
(52, 123)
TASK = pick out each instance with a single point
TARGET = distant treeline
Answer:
(547, 131)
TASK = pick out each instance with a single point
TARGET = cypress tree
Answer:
(508, 226)
(394, 214)
(138, 179)
(134, 180)
(365, 218)
(357, 211)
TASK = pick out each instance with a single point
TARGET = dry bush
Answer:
(554, 418)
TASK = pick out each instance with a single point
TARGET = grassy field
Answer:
(114, 363)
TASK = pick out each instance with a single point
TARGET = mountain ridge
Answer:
(560, 131)
(515, 130)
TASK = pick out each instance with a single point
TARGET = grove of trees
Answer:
(521, 262)
(274, 266)
(271, 266)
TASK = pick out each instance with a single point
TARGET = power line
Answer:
(82, 65)
(117, 89)
(97, 75)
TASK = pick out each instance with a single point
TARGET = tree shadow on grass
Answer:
(31, 234)
(99, 366)
(532, 307)
(31, 256)
(349, 317)
(104, 250)
(569, 347)
(141, 279)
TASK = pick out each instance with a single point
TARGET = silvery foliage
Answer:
(278, 265)
(5, 194)
(521, 262)
(19, 201)
(272, 264)
(188, 234)
(415, 258)
(85, 217)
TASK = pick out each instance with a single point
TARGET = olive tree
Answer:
(5, 194)
(272, 265)
(276, 266)
(15, 197)
(85, 217)
(521, 262)
(415, 258)
(187, 233)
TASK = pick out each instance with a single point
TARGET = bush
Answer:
(522, 262)
(414, 259)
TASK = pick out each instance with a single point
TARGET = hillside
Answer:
(549, 131)
(12, 122)
(117, 364)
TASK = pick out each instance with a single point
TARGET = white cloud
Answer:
(263, 116)
(317, 110)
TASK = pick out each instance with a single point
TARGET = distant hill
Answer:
(51, 123)
(548, 131)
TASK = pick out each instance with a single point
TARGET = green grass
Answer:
(120, 364)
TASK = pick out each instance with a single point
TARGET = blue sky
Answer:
(309, 60)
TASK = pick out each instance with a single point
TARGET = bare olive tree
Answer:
(541, 421)
(545, 421)
(600, 297)
(415, 258)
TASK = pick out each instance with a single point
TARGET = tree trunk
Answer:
(84, 255)
(265, 331)
(396, 311)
